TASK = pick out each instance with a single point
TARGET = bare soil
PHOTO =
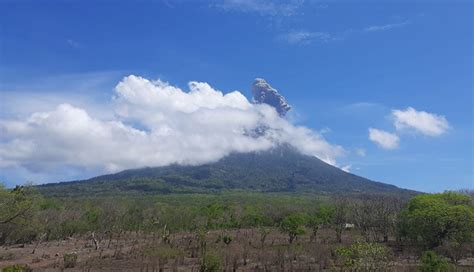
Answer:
(184, 251)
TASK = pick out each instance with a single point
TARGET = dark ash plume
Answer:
(263, 93)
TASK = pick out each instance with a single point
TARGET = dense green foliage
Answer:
(281, 169)
(432, 262)
(439, 218)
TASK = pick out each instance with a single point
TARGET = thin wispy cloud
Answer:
(305, 37)
(73, 82)
(262, 7)
(346, 168)
(380, 28)
(367, 108)
(325, 130)
(74, 44)
(85, 90)
(279, 10)
(363, 104)
(360, 152)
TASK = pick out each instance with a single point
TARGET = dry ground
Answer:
(139, 252)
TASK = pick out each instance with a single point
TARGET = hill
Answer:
(281, 169)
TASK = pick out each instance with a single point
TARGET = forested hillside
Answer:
(282, 169)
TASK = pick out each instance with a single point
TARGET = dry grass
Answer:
(140, 252)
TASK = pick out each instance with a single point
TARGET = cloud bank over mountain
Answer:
(154, 124)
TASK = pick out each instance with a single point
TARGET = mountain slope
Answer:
(282, 169)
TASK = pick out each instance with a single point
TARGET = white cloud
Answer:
(155, 124)
(385, 27)
(384, 139)
(346, 168)
(423, 122)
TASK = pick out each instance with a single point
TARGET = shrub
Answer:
(363, 256)
(432, 262)
(210, 263)
(227, 239)
(70, 260)
(17, 268)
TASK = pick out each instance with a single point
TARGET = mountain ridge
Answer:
(280, 169)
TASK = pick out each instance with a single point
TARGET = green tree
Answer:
(18, 214)
(293, 225)
(253, 216)
(215, 215)
(321, 218)
(91, 217)
(340, 215)
(434, 219)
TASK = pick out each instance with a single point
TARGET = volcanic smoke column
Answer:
(263, 93)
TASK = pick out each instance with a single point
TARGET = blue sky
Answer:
(343, 66)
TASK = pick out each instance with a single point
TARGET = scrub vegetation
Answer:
(236, 231)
